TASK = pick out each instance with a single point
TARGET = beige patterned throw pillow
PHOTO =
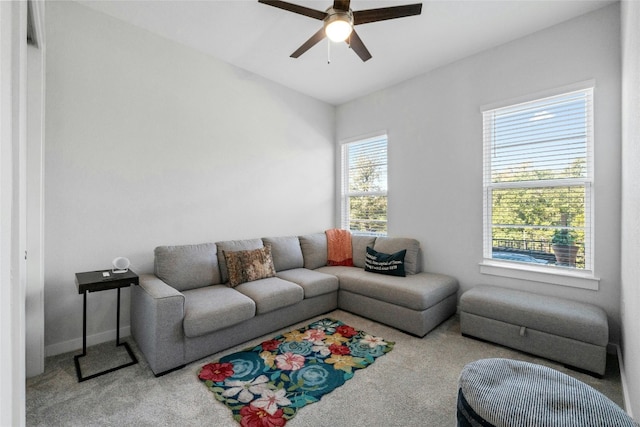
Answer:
(247, 266)
(234, 268)
(258, 264)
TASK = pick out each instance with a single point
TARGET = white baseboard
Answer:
(76, 343)
(623, 380)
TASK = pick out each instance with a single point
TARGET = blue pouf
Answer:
(511, 393)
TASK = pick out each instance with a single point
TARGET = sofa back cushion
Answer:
(187, 267)
(390, 245)
(314, 250)
(359, 245)
(286, 252)
(234, 246)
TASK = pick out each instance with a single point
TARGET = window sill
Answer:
(553, 275)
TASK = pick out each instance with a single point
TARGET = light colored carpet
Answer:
(413, 385)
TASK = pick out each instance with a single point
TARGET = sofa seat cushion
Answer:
(213, 308)
(416, 292)
(313, 282)
(271, 293)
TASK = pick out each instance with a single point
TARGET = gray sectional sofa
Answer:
(186, 310)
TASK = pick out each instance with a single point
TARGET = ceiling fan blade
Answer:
(301, 10)
(358, 46)
(382, 14)
(341, 4)
(309, 43)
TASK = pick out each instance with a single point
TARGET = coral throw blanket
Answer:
(339, 247)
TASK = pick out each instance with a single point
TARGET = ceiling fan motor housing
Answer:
(337, 14)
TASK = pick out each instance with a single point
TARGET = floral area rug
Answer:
(266, 385)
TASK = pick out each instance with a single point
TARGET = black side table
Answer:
(93, 281)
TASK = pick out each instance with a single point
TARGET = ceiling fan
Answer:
(339, 20)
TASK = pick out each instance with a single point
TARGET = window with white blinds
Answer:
(538, 181)
(364, 186)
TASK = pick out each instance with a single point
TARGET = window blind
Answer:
(538, 179)
(364, 186)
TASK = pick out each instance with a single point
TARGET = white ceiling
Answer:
(260, 38)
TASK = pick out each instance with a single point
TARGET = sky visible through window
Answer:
(368, 166)
(540, 137)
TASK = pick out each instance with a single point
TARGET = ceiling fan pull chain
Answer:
(328, 52)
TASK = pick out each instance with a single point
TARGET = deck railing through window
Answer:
(536, 251)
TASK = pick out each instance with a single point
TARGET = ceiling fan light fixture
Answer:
(338, 25)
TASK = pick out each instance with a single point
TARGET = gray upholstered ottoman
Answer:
(510, 393)
(566, 331)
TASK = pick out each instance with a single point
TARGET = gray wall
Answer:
(434, 126)
(151, 143)
(630, 298)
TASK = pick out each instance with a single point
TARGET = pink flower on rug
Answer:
(270, 345)
(346, 331)
(258, 417)
(372, 341)
(216, 371)
(271, 400)
(314, 335)
(339, 349)
(289, 361)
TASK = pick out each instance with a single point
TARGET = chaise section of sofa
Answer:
(416, 303)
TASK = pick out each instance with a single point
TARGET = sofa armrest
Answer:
(157, 312)
(157, 288)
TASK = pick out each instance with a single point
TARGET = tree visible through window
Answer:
(364, 186)
(538, 181)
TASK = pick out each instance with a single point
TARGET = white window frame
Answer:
(581, 278)
(344, 193)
